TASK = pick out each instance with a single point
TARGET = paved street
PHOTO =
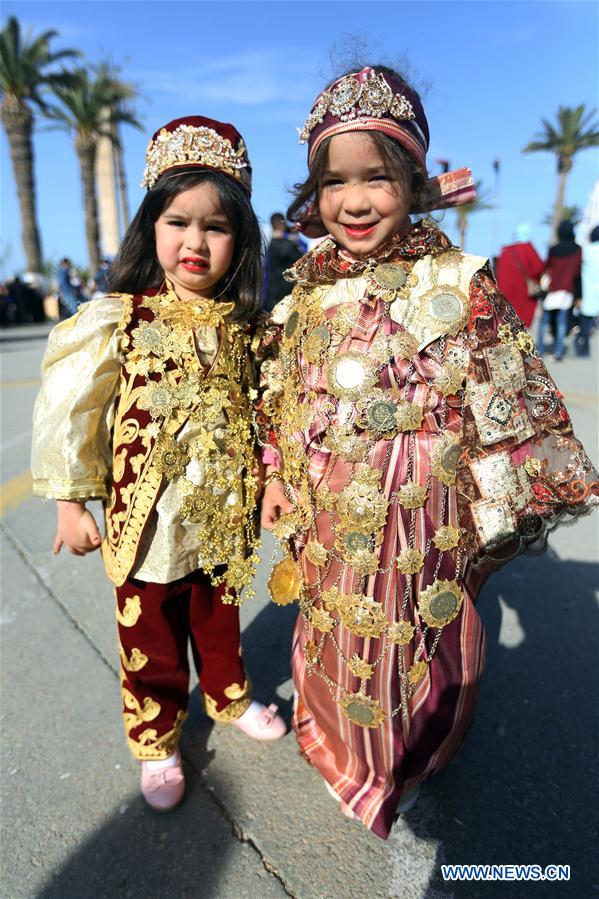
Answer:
(257, 821)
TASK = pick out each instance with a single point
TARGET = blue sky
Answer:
(490, 72)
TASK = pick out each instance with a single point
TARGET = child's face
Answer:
(360, 204)
(194, 241)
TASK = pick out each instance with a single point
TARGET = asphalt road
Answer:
(257, 821)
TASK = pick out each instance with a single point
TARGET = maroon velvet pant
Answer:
(156, 622)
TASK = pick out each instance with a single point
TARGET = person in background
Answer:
(68, 291)
(519, 269)
(282, 252)
(589, 304)
(563, 276)
(100, 280)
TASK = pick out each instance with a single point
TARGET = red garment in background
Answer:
(516, 263)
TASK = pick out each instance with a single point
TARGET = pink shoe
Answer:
(163, 788)
(261, 722)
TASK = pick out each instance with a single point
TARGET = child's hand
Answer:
(76, 529)
(274, 504)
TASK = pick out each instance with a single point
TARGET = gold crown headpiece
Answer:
(364, 94)
(193, 145)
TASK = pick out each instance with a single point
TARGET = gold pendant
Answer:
(364, 616)
(445, 457)
(389, 275)
(401, 632)
(412, 495)
(410, 561)
(316, 553)
(440, 603)
(321, 619)
(362, 507)
(447, 537)
(285, 582)
(350, 374)
(360, 667)
(417, 672)
(362, 710)
(409, 416)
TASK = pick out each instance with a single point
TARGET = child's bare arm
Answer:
(76, 528)
(274, 504)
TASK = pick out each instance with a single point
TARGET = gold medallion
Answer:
(362, 710)
(360, 667)
(417, 672)
(354, 542)
(444, 310)
(363, 616)
(404, 345)
(409, 416)
(285, 582)
(350, 447)
(449, 380)
(321, 619)
(447, 537)
(445, 456)
(389, 275)
(401, 632)
(364, 562)
(362, 507)
(316, 553)
(412, 495)
(350, 374)
(291, 324)
(410, 561)
(440, 603)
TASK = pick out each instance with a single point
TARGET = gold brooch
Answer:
(417, 672)
(363, 616)
(401, 632)
(362, 507)
(350, 374)
(412, 495)
(447, 537)
(360, 667)
(362, 710)
(410, 561)
(285, 581)
(440, 603)
(445, 456)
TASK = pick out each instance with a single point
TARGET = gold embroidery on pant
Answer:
(150, 746)
(146, 712)
(131, 611)
(235, 691)
(231, 712)
(135, 662)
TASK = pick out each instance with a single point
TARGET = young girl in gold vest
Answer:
(414, 440)
(145, 404)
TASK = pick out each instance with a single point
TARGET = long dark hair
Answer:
(136, 267)
(398, 165)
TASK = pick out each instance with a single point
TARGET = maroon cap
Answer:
(198, 142)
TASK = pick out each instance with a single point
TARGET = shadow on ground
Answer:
(524, 790)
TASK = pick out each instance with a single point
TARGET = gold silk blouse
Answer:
(72, 433)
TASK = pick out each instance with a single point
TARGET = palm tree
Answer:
(569, 214)
(26, 70)
(92, 106)
(575, 131)
(480, 203)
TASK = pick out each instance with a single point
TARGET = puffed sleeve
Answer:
(74, 410)
(522, 471)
